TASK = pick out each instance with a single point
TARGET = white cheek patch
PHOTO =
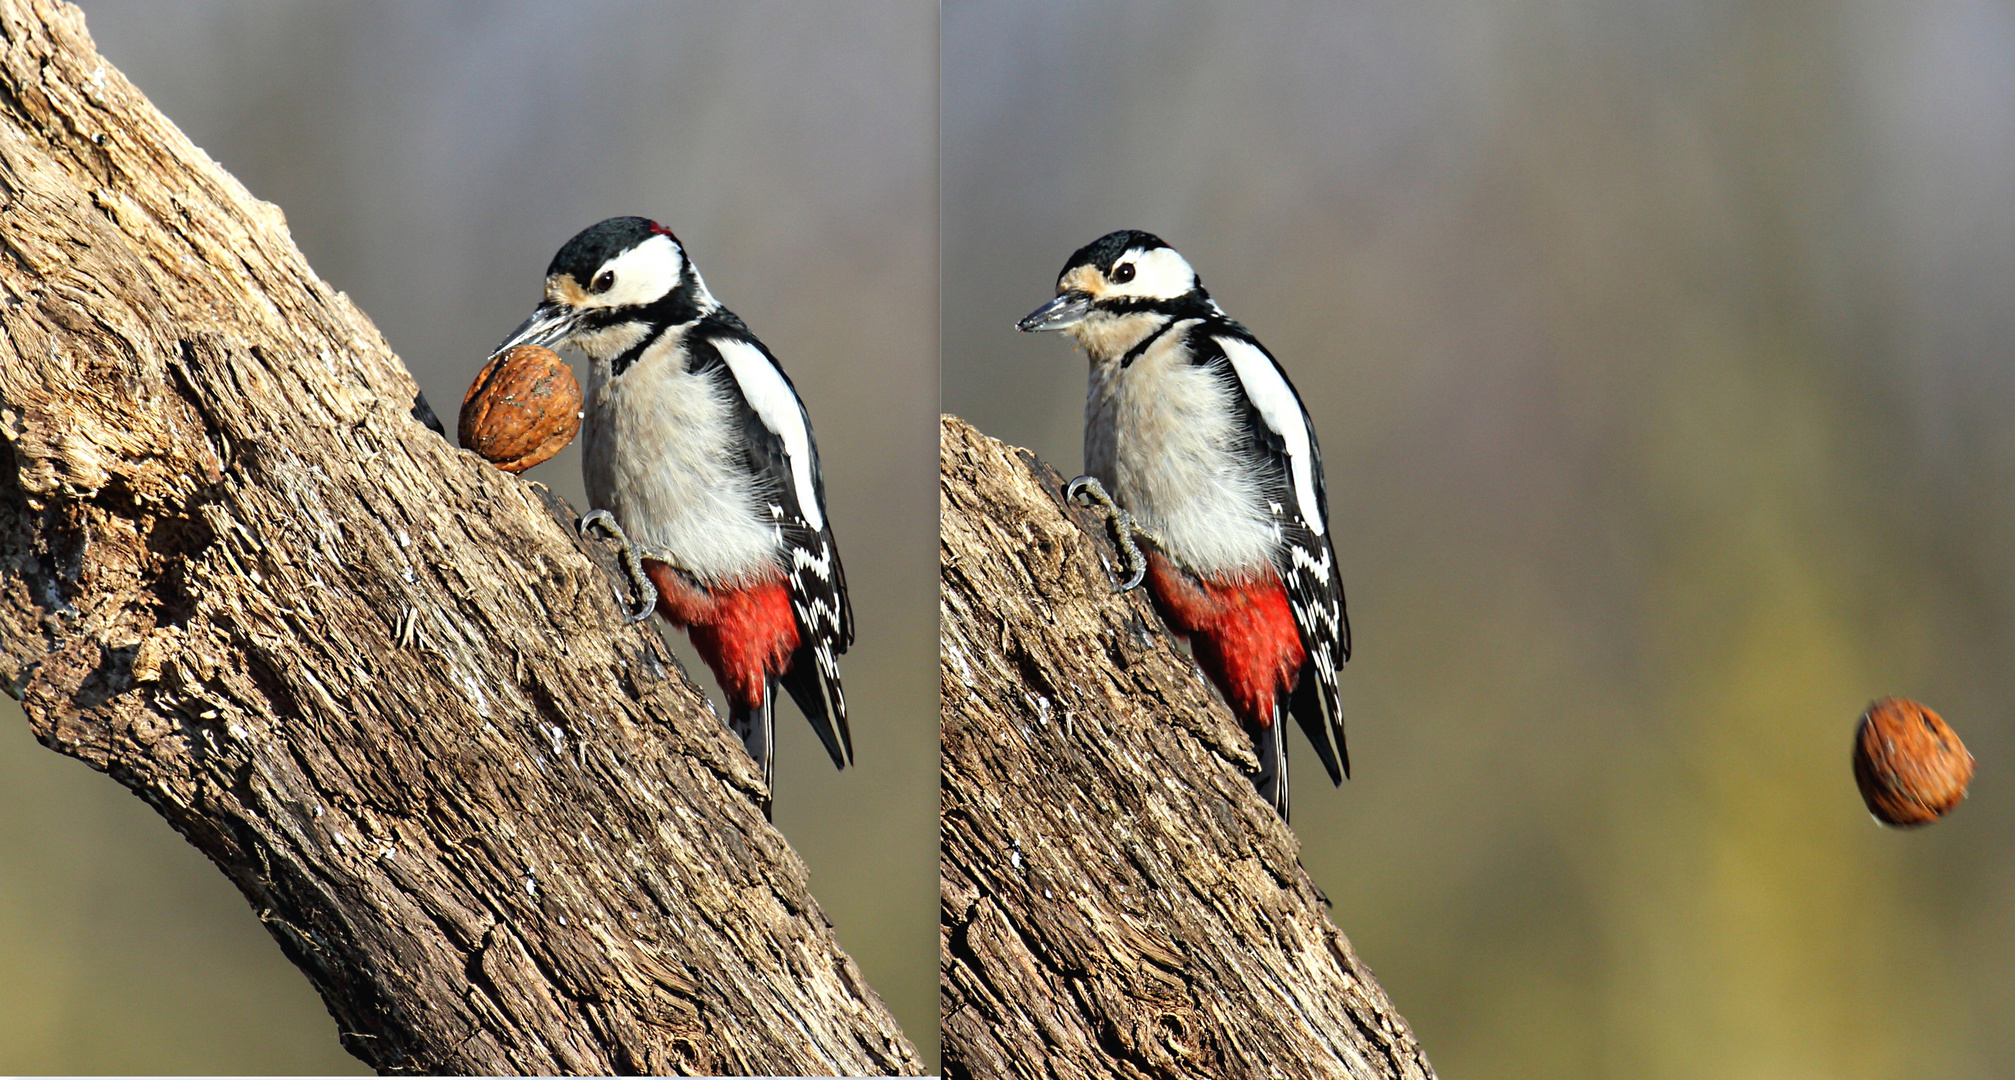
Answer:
(777, 404)
(643, 274)
(1281, 411)
(1160, 274)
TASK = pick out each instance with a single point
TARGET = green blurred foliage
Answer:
(430, 158)
(1657, 353)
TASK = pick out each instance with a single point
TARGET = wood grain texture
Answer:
(376, 680)
(1117, 901)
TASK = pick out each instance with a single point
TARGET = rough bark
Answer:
(1117, 901)
(374, 679)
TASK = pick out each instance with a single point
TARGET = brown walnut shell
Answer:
(523, 408)
(1911, 767)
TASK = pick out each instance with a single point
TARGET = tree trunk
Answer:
(377, 681)
(1117, 901)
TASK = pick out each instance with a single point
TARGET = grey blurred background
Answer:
(430, 158)
(1659, 356)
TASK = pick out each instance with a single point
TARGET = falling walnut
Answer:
(523, 408)
(1911, 766)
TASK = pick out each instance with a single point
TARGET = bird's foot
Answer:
(647, 594)
(1125, 529)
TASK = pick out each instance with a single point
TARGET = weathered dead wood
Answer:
(373, 678)
(1117, 902)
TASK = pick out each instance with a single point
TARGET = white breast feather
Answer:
(675, 488)
(1161, 435)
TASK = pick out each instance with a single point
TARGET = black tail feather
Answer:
(815, 686)
(1271, 749)
(757, 729)
(1322, 722)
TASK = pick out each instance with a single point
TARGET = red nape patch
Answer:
(745, 635)
(1241, 632)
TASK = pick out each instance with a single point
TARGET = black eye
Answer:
(1122, 273)
(605, 281)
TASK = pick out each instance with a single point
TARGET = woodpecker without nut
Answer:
(700, 462)
(1199, 445)
(523, 408)
(1911, 767)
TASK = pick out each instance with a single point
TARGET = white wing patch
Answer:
(1281, 410)
(773, 400)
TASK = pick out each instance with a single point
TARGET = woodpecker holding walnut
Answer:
(1197, 442)
(699, 460)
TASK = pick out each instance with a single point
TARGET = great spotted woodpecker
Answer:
(699, 459)
(1197, 442)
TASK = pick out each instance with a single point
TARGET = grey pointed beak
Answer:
(1062, 313)
(551, 325)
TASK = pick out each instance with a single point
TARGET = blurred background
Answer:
(1658, 356)
(430, 158)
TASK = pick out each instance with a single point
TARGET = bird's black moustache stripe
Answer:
(676, 308)
(1138, 350)
(681, 305)
(630, 355)
(1190, 305)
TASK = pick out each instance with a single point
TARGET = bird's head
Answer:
(613, 286)
(1117, 289)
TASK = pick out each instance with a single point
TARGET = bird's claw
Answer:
(647, 594)
(1124, 528)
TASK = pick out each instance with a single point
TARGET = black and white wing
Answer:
(1282, 435)
(785, 459)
